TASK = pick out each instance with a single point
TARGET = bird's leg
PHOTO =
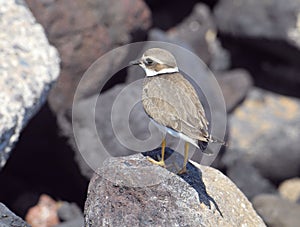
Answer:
(185, 160)
(162, 160)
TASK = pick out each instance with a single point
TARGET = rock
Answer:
(68, 211)
(106, 25)
(268, 31)
(255, 18)
(70, 214)
(49, 213)
(199, 31)
(44, 214)
(8, 218)
(133, 192)
(276, 211)
(76, 222)
(28, 68)
(290, 189)
(235, 85)
(265, 130)
(249, 180)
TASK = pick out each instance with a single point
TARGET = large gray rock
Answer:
(28, 68)
(274, 19)
(264, 36)
(9, 219)
(130, 191)
(276, 211)
(265, 132)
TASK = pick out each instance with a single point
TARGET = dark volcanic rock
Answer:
(83, 31)
(273, 19)
(276, 211)
(199, 31)
(265, 130)
(9, 219)
(264, 36)
(130, 191)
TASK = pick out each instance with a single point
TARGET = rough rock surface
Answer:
(264, 130)
(9, 219)
(290, 189)
(28, 68)
(276, 211)
(133, 192)
(83, 31)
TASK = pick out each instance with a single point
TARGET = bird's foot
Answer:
(160, 163)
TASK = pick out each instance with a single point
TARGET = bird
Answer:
(172, 103)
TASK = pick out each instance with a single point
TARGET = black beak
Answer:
(135, 62)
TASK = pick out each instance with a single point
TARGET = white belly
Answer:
(174, 133)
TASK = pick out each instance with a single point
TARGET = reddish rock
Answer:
(44, 214)
(83, 31)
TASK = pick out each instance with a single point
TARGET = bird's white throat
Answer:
(150, 72)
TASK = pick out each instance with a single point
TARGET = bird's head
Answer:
(156, 61)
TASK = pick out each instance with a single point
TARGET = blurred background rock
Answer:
(252, 47)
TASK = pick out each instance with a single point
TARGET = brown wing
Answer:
(173, 102)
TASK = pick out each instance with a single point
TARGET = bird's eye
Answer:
(149, 61)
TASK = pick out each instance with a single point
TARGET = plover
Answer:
(172, 103)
